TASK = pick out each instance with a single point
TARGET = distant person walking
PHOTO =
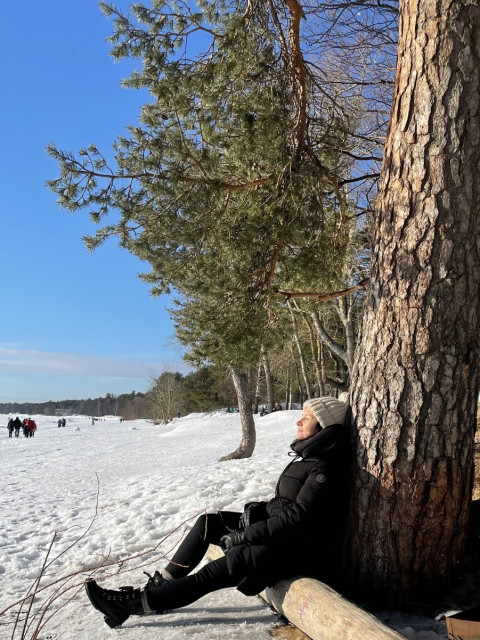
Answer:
(64, 422)
(59, 423)
(17, 423)
(10, 427)
(30, 428)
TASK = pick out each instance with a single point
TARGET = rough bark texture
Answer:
(415, 379)
(247, 444)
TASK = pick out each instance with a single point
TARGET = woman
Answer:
(298, 531)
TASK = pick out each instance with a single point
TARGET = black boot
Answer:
(155, 581)
(116, 606)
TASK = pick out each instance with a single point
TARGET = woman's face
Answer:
(307, 425)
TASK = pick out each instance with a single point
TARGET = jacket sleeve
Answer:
(287, 517)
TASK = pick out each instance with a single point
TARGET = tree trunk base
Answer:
(238, 454)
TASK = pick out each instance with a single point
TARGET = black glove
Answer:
(232, 539)
(254, 512)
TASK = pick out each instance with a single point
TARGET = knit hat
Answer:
(327, 410)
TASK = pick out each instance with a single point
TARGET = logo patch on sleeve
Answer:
(321, 478)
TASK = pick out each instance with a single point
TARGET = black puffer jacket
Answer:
(300, 529)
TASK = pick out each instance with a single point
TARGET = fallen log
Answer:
(319, 611)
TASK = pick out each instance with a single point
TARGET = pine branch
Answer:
(322, 297)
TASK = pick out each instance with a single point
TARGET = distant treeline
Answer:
(205, 389)
(128, 405)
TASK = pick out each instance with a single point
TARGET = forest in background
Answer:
(128, 405)
(206, 389)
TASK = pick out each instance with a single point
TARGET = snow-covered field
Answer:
(124, 493)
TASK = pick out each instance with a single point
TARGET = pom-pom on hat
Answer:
(327, 410)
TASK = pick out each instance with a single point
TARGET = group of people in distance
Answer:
(27, 425)
(61, 422)
(276, 407)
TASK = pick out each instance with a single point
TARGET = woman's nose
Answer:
(299, 423)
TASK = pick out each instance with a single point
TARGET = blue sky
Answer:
(73, 324)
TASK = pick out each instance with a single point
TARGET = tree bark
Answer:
(301, 356)
(415, 378)
(321, 370)
(299, 381)
(335, 347)
(247, 444)
(257, 387)
(345, 306)
(288, 387)
(314, 351)
(268, 380)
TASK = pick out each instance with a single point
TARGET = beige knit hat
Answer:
(327, 410)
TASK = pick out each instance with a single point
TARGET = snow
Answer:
(122, 495)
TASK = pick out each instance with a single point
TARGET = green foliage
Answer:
(210, 188)
(202, 390)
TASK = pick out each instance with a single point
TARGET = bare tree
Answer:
(165, 396)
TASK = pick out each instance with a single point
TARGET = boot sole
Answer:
(113, 621)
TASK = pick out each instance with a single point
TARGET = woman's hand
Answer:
(253, 513)
(232, 539)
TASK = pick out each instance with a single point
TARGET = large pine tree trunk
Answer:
(247, 444)
(415, 380)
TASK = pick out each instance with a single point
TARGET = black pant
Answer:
(185, 589)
